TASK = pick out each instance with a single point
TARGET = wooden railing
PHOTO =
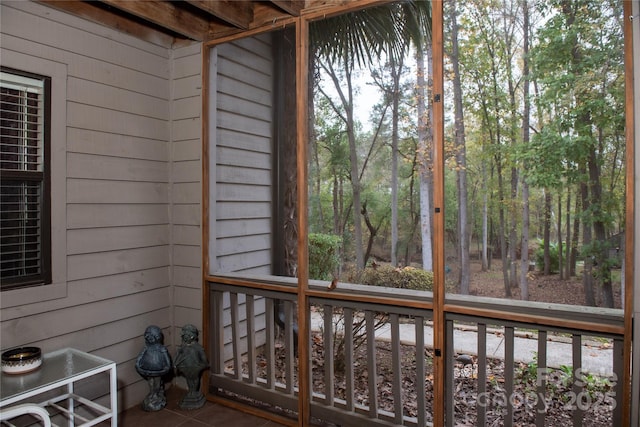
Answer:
(371, 361)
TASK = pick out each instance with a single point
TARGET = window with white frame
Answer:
(25, 236)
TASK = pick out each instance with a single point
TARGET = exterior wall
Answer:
(241, 169)
(125, 189)
(186, 187)
(241, 156)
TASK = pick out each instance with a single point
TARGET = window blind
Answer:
(22, 187)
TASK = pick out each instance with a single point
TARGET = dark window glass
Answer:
(24, 179)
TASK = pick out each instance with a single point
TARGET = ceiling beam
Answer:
(237, 13)
(88, 10)
(293, 7)
(167, 15)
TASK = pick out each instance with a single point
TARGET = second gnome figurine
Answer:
(189, 362)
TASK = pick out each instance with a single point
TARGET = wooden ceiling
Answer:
(167, 22)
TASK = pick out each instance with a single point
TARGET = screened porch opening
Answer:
(455, 265)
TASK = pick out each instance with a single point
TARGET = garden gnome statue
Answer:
(152, 364)
(190, 361)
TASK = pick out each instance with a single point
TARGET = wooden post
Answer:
(438, 217)
(630, 230)
(302, 81)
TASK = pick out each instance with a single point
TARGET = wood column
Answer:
(438, 217)
(302, 94)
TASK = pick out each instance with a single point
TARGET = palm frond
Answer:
(361, 36)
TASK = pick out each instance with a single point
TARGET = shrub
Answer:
(324, 255)
(404, 278)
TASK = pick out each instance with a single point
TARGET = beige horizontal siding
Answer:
(103, 191)
(114, 215)
(115, 145)
(94, 166)
(186, 188)
(241, 211)
(108, 239)
(187, 277)
(87, 92)
(49, 325)
(98, 264)
(255, 262)
(81, 292)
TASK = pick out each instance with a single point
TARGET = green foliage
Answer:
(562, 379)
(595, 385)
(324, 255)
(404, 278)
(553, 256)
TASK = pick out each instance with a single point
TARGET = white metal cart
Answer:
(60, 370)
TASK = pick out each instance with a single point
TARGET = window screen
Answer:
(24, 183)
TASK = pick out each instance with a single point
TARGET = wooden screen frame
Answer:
(301, 25)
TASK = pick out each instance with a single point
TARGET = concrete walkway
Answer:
(596, 359)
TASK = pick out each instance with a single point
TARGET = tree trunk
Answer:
(513, 233)
(567, 273)
(559, 226)
(485, 220)
(415, 216)
(396, 72)
(587, 273)
(508, 29)
(602, 249)
(287, 261)
(373, 231)
(336, 204)
(357, 207)
(524, 251)
(425, 138)
(575, 236)
(547, 231)
(524, 256)
(503, 240)
(461, 160)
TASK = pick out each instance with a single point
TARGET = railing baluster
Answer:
(371, 364)
(348, 353)
(235, 336)
(508, 373)
(269, 348)
(541, 379)
(251, 333)
(328, 354)
(618, 366)
(216, 348)
(397, 367)
(288, 338)
(576, 345)
(483, 399)
(450, 404)
(421, 376)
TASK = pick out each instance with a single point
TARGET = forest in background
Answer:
(534, 140)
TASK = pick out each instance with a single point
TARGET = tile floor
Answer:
(211, 414)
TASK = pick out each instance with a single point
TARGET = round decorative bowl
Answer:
(21, 360)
